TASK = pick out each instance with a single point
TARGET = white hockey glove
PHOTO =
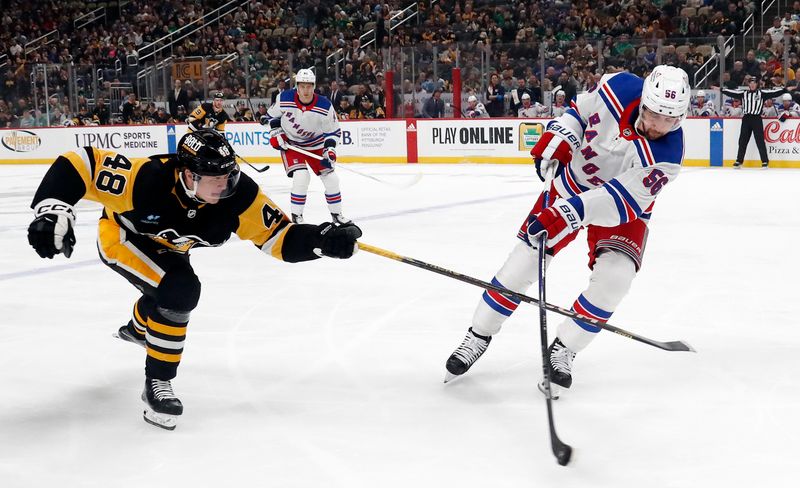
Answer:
(51, 232)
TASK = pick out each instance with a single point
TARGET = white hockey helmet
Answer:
(305, 75)
(786, 97)
(666, 92)
(472, 98)
(701, 93)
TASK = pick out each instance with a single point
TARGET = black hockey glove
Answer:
(338, 241)
(51, 232)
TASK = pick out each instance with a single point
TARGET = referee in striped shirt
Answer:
(752, 104)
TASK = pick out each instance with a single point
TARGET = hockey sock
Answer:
(141, 311)
(518, 273)
(166, 334)
(610, 281)
(300, 181)
(333, 194)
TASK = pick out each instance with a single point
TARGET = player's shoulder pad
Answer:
(287, 95)
(323, 102)
(668, 149)
(626, 87)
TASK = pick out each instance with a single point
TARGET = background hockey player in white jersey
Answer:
(306, 120)
(733, 108)
(560, 104)
(702, 107)
(531, 110)
(769, 109)
(475, 109)
(613, 154)
(788, 107)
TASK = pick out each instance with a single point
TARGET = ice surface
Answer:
(330, 373)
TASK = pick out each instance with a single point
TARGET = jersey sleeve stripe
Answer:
(622, 209)
(611, 101)
(628, 198)
(574, 112)
(645, 156)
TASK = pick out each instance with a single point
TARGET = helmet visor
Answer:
(212, 188)
(657, 122)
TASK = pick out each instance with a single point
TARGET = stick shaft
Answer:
(667, 346)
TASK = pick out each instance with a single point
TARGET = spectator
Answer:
(128, 107)
(343, 109)
(101, 112)
(495, 94)
(776, 31)
(367, 110)
(517, 93)
(434, 106)
(178, 96)
(335, 95)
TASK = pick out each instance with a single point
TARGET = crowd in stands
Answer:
(516, 58)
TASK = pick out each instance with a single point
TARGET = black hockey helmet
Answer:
(206, 152)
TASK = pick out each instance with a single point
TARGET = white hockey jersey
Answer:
(771, 111)
(306, 126)
(615, 174)
(793, 110)
(706, 109)
(479, 112)
(532, 112)
(731, 111)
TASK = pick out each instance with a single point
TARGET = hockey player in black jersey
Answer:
(155, 211)
(209, 115)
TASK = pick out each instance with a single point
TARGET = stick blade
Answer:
(562, 452)
(678, 346)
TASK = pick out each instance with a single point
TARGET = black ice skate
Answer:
(161, 406)
(126, 333)
(340, 219)
(560, 368)
(472, 347)
(298, 219)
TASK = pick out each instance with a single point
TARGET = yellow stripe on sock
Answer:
(169, 358)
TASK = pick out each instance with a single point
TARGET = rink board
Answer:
(709, 141)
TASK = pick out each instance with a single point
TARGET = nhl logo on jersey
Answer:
(627, 132)
(191, 213)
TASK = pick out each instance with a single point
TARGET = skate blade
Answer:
(448, 376)
(126, 338)
(163, 420)
(555, 390)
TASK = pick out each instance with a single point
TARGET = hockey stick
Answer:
(562, 451)
(248, 163)
(667, 346)
(310, 154)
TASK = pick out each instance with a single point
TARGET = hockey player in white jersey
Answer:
(560, 104)
(614, 149)
(702, 107)
(306, 120)
(530, 110)
(788, 107)
(475, 109)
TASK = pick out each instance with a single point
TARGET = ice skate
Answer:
(737, 165)
(472, 347)
(161, 406)
(126, 334)
(340, 219)
(298, 219)
(560, 369)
